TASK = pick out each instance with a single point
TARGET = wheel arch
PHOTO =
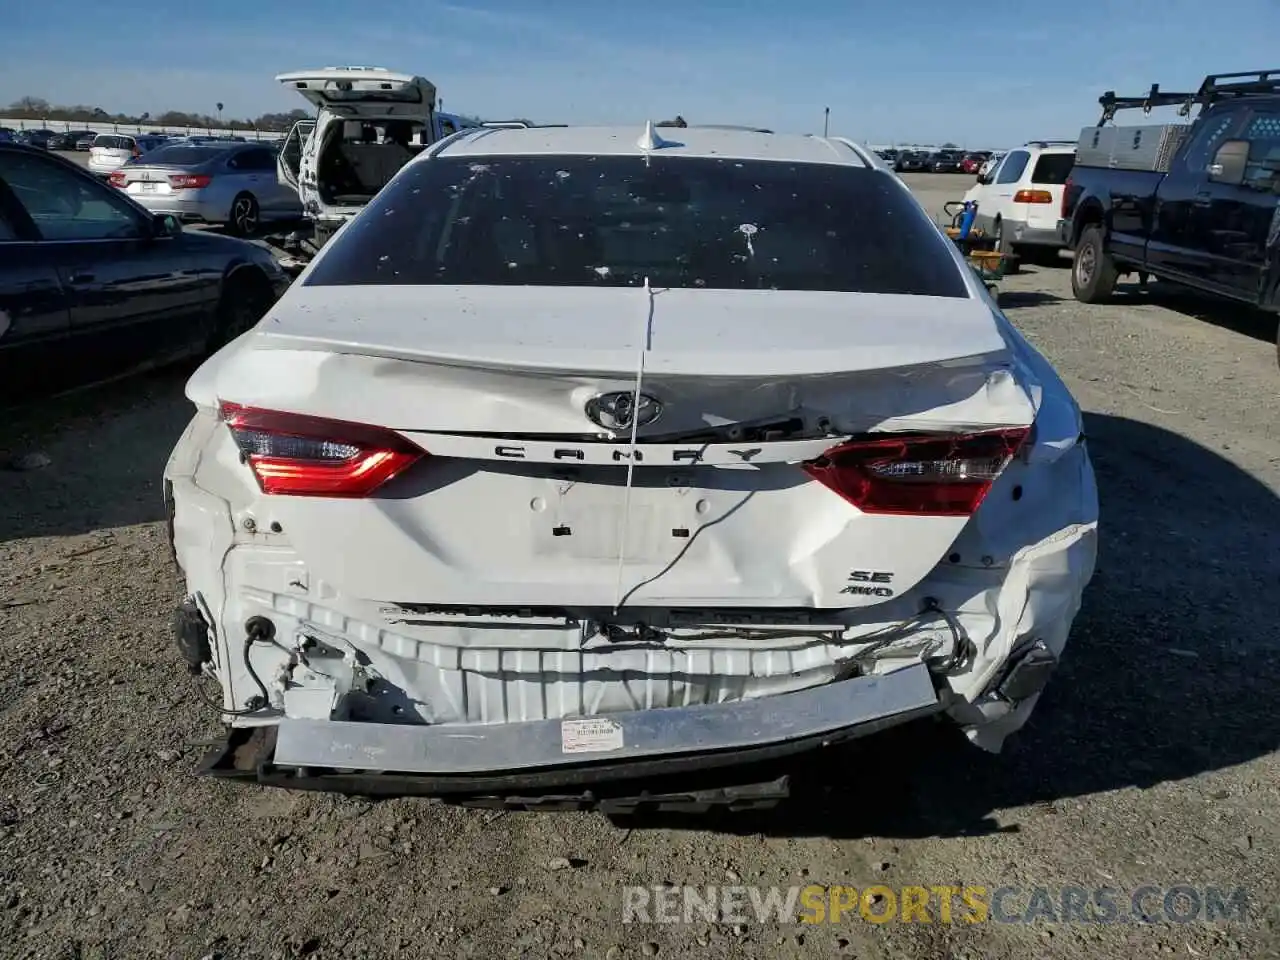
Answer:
(1089, 212)
(242, 278)
(244, 273)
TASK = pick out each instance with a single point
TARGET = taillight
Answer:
(136, 153)
(931, 475)
(117, 178)
(192, 181)
(1066, 188)
(1033, 196)
(305, 456)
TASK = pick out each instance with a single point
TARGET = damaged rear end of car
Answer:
(649, 478)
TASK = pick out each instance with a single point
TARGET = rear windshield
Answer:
(183, 155)
(613, 221)
(110, 141)
(1053, 168)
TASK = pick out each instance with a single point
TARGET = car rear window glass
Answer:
(184, 155)
(615, 221)
(1053, 168)
(109, 141)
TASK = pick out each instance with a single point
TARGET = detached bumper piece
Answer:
(672, 758)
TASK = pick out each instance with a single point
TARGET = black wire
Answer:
(248, 642)
(219, 707)
(959, 648)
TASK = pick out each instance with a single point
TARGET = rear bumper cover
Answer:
(189, 207)
(1026, 235)
(1065, 229)
(472, 758)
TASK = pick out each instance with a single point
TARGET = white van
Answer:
(1019, 198)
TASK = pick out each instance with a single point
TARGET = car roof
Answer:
(707, 142)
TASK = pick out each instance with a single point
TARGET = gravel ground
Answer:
(1151, 760)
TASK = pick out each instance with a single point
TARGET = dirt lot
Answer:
(1151, 760)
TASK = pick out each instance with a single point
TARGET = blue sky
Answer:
(976, 73)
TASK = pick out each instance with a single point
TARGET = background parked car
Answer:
(946, 161)
(39, 137)
(6, 134)
(912, 161)
(218, 182)
(110, 151)
(86, 140)
(991, 163)
(67, 140)
(95, 286)
(974, 160)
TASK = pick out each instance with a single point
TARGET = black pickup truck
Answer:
(1211, 222)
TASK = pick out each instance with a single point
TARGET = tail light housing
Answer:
(303, 456)
(934, 475)
(189, 181)
(117, 178)
(1033, 196)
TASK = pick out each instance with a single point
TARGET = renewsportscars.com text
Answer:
(1180, 903)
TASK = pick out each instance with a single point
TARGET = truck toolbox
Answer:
(1150, 147)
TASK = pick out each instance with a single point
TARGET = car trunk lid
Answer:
(734, 496)
(363, 91)
(603, 329)
(144, 179)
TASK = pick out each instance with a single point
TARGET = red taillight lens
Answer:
(117, 179)
(1066, 189)
(1033, 196)
(189, 181)
(304, 456)
(930, 475)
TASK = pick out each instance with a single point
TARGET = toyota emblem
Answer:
(619, 410)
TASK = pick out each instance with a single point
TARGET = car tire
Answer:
(1093, 272)
(246, 297)
(245, 215)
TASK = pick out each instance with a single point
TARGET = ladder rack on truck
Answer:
(1215, 87)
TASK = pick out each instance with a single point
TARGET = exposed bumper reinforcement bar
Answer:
(630, 736)
(501, 759)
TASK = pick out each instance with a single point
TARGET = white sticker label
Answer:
(590, 735)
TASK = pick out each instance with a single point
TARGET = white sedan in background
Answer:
(582, 456)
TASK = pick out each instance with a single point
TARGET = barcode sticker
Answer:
(590, 735)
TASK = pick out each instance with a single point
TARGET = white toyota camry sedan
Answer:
(593, 456)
